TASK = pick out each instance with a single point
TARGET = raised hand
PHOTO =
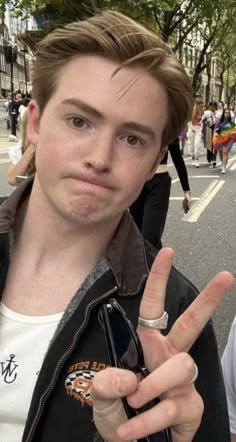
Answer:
(171, 370)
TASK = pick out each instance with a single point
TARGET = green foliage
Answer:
(175, 20)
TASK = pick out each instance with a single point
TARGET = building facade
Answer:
(9, 31)
(209, 85)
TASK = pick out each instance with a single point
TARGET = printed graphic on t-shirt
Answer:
(9, 370)
(79, 380)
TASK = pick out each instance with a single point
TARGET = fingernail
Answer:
(135, 399)
(120, 383)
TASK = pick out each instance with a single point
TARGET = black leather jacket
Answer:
(61, 408)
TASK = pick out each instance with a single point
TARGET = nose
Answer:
(100, 155)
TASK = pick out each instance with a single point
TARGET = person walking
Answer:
(22, 156)
(150, 209)
(208, 124)
(194, 133)
(224, 137)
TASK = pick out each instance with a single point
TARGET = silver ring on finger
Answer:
(158, 323)
(194, 378)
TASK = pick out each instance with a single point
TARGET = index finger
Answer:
(190, 324)
(153, 300)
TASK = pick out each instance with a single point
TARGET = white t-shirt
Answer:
(22, 110)
(229, 373)
(15, 154)
(24, 341)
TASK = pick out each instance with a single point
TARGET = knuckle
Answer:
(199, 404)
(187, 364)
(195, 403)
(171, 410)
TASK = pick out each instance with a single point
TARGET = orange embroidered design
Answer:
(79, 382)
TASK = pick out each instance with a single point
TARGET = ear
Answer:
(157, 162)
(33, 122)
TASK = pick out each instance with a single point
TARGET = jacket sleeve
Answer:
(210, 385)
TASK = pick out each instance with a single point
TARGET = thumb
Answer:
(108, 387)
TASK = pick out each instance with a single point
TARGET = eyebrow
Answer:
(83, 106)
(129, 125)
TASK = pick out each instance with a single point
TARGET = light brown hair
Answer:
(121, 39)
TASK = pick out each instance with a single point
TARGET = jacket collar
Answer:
(125, 254)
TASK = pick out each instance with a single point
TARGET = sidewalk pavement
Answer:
(5, 143)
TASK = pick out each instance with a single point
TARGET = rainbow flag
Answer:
(225, 137)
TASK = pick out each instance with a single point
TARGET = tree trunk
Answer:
(221, 85)
(196, 82)
(208, 86)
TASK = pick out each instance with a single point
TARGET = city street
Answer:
(204, 240)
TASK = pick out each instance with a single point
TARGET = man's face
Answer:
(98, 139)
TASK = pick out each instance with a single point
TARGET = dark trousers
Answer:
(150, 208)
(211, 156)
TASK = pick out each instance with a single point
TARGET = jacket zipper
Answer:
(46, 393)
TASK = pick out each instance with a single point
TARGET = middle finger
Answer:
(175, 372)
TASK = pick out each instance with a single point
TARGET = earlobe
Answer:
(33, 122)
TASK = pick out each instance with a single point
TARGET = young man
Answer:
(108, 97)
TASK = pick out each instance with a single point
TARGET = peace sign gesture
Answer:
(172, 369)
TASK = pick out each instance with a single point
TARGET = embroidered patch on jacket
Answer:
(79, 380)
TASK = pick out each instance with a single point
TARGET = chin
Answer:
(85, 215)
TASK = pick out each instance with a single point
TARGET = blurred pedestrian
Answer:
(22, 109)
(182, 139)
(21, 156)
(208, 124)
(194, 133)
(150, 209)
(224, 137)
(219, 111)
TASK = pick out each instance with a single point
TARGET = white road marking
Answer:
(175, 180)
(232, 158)
(2, 161)
(185, 159)
(203, 176)
(179, 198)
(197, 209)
(233, 167)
